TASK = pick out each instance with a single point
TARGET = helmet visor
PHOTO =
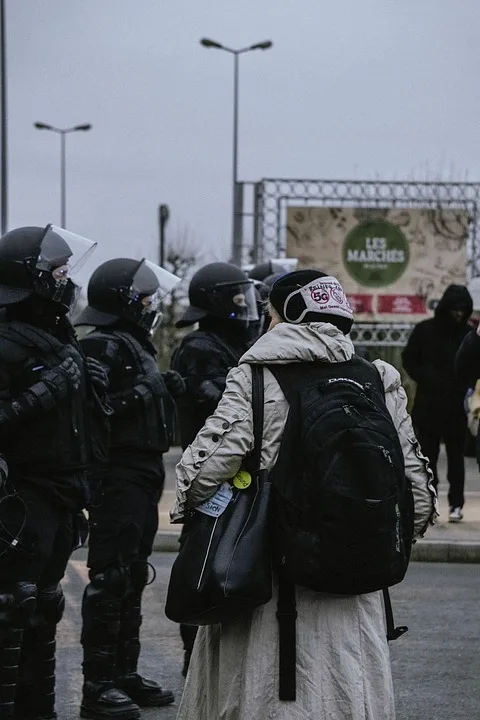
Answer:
(237, 301)
(152, 283)
(63, 253)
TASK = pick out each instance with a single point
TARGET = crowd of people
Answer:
(84, 425)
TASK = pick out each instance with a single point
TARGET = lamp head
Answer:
(42, 126)
(86, 126)
(210, 43)
(265, 45)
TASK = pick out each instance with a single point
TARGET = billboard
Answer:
(394, 263)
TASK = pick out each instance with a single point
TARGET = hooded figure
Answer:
(343, 666)
(438, 411)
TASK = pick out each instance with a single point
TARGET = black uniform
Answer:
(203, 359)
(46, 401)
(123, 297)
(124, 508)
(438, 412)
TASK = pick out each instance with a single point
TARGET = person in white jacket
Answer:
(343, 664)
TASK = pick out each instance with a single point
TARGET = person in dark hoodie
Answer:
(438, 411)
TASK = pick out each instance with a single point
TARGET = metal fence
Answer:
(262, 214)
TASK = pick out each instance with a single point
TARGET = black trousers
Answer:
(123, 524)
(46, 544)
(453, 436)
(27, 666)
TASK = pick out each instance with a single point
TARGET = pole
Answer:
(63, 183)
(3, 170)
(163, 215)
(235, 249)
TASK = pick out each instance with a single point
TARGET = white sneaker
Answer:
(455, 514)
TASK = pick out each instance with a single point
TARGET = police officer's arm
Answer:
(126, 387)
(47, 389)
(204, 373)
(467, 361)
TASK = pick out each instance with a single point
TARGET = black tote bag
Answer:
(223, 567)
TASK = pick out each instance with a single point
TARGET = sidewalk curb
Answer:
(449, 551)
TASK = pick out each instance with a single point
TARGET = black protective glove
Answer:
(53, 385)
(97, 374)
(174, 383)
(62, 379)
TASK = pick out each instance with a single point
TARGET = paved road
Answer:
(436, 665)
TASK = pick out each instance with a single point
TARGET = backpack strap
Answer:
(393, 633)
(253, 461)
(287, 616)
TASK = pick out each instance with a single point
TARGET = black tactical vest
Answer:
(144, 425)
(53, 442)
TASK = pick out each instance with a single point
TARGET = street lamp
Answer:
(62, 132)
(265, 45)
(3, 121)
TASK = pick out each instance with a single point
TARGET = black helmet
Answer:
(129, 289)
(41, 261)
(220, 290)
(276, 265)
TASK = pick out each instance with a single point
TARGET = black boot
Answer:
(102, 700)
(9, 661)
(146, 693)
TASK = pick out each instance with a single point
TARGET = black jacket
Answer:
(467, 361)
(46, 443)
(203, 359)
(429, 358)
(141, 404)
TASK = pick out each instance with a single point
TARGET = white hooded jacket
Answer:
(343, 666)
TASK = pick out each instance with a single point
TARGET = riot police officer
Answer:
(46, 391)
(224, 304)
(124, 297)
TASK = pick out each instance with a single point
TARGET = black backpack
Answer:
(343, 505)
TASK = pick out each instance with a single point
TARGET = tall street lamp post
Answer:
(265, 45)
(3, 122)
(63, 188)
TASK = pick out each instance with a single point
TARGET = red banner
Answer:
(401, 304)
(361, 303)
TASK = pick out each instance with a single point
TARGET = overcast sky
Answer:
(351, 89)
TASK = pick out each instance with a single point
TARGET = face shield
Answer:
(150, 285)
(236, 301)
(61, 255)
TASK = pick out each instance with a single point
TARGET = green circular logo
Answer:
(375, 253)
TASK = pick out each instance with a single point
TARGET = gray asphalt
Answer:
(436, 665)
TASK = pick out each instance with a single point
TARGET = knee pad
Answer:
(17, 607)
(50, 605)
(139, 575)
